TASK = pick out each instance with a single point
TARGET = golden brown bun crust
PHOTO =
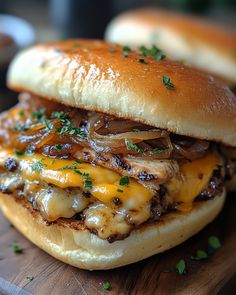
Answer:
(203, 44)
(82, 249)
(86, 74)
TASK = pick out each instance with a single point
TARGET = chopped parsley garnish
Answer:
(48, 124)
(126, 50)
(68, 129)
(19, 153)
(159, 55)
(133, 147)
(37, 166)
(17, 248)
(78, 132)
(66, 126)
(143, 50)
(21, 113)
(30, 278)
(60, 115)
(166, 81)
(20, 127)
(199, 255)
(181, 267)
(119, 190)
(213, 244)
(157, 150)
(39, 115)
(142, 60)
(72, 166)
(87, 180)
(154, 52)
(124, 180)
(106, 286)
(58, 147)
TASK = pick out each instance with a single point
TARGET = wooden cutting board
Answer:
(146, 277)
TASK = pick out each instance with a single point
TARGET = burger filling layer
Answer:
(111, 174)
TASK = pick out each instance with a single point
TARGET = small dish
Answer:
(19, 31)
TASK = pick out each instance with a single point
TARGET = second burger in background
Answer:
(192, 40)
(187, 38)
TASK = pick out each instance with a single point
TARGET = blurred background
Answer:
(53, 19)
(42, 20)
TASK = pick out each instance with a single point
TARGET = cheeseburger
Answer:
(112, 155)
(193, 40)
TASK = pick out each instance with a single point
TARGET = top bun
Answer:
(95, 75)
(183, 37)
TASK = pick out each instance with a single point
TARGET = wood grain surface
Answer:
(146, 277)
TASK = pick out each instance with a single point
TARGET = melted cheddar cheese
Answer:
(193, 179)
(36, 173)
(105, 183)
(183, 189)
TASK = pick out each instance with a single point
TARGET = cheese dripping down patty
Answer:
(62, 173)
(100, 212)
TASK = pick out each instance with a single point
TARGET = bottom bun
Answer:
(83, 249)
(231, 184)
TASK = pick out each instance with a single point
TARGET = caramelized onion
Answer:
(103, 138)
(103, 133)
(196, 150)
(136, 136)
